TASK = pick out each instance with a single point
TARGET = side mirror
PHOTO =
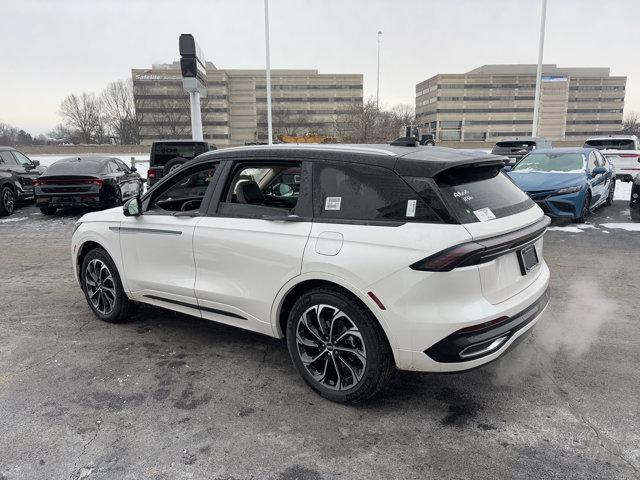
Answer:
(133, 207)
(598, 171)
(133, 169)
(35, 163)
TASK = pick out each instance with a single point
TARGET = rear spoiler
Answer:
(420, 168)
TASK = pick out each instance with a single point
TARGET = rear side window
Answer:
(366, 193)
(477, 194)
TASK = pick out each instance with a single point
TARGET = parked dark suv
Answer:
(517, 147)
(17, 173)
(169, 155)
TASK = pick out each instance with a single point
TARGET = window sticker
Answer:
(484, 214)
(411, 208)
(332, 203)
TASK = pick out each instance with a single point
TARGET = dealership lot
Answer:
(170, 396)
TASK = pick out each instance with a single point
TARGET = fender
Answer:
(373, 307)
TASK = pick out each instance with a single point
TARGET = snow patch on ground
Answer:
(629, 227)
(10, 220)
(570, 229)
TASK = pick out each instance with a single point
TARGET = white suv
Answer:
(366, 258)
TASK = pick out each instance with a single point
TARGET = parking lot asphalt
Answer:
(174, 397)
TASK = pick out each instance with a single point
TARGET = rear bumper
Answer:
(69, 200)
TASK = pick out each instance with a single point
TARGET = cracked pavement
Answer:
(174, 397)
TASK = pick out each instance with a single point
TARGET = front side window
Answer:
(258, 189)
(185, 193)
(22, 159)
(551, 162)
(366, 193)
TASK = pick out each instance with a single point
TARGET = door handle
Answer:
(283, 218)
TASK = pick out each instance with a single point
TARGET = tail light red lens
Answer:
(451, 258)
(84, 181)
(151, 173)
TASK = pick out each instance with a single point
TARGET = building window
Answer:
(450, 135)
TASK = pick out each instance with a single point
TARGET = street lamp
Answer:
(536, 104)
(266, 37)
(378, 82)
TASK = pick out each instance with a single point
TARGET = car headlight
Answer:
(76, 227)
(566, 190)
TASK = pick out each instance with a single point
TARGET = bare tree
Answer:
(631, 124)
(122, 119)
(8, 134)
(61, 134)
(405, 113)
(367, 123)
(83, 113)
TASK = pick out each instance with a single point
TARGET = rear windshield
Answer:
(612, 143)
(551, 163)
(513, 144)
(76, 167)
(163, 152)
(478, 194)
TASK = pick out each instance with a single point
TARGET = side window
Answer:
(368, 193)
(122, 166)
(600, 160)
(7, 158)
(258, 189)
(22, 159)
(184, 193)
(113, 166)
(592, 161)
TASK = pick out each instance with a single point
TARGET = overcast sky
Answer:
(49, 49)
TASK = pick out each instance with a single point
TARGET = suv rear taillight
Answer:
(151, 173)
(447, 260)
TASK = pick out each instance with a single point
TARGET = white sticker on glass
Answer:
(411, 208)
(484, 214)
(332, 203)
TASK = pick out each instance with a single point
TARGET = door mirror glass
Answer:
(35, 163)
(133, 207)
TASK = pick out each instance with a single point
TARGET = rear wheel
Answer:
(7, 201)
(103, 288)
(584, 211)
(173, 165)
(48, 210)
(338, 346)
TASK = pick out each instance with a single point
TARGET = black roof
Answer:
(418, 161)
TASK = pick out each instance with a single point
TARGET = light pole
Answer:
(536, 104)
(266, 37)
(378, 81)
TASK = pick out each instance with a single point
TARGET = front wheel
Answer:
(584, 211)
(7, 201)
(103, 288)
(338, 346)
(612, 190)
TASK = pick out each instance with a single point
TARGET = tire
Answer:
(357, 379)
(612, 191)
(117, 197)
(584, 211)
(7, 201)
(173, 164)
(48, 210)
(103, 289)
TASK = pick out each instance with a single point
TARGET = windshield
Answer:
(551, 162)
(612, 143)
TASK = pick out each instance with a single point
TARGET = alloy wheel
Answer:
(101, 289)
(9, 201)
(331, 347)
